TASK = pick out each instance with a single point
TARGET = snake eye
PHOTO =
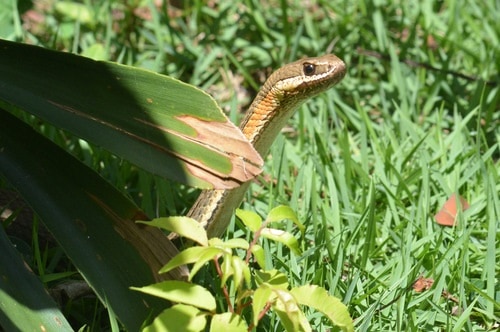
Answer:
(309, 69)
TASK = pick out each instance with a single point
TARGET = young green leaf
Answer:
(262, 295)
(215, 242)
(227, 269)
(234, 243)
(287, 308)
(259, 255)
(228, 322)
(241, 271)
(187, 256)
(283, 237)
(251, 219)
(207, 255)
(272, 277)
(179, 317)
(319, 299)
(283, 212)
(181, 292)
(184, 226)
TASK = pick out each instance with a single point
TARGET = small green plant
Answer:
(246, 289)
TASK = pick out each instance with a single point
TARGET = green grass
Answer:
(365, 166)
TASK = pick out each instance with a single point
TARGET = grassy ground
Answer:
(366, 165)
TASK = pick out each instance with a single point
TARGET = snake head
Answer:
(284, 91)
(303, 79)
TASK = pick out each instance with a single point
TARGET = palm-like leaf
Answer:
(161, 124)
(164, 126)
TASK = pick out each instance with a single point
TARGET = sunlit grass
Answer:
(366, 165)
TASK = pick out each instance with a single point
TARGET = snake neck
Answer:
(279, 97)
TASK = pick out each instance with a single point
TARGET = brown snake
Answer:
(283, 92)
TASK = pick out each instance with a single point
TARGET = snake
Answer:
(282, 93)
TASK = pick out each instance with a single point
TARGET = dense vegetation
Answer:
(365, 166)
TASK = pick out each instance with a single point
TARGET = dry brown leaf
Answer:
(422, 284)
(448, 213)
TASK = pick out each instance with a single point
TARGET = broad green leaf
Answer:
(228, 322)
(191, 255)
(92, 221)
(319, 299)
(259, 255)
(24, 303)
(226, 268)
(184, 226)
(207, 255)
(272, 277)
(291, 315)
(181, 292)
(281, 236)
(161, 124)
(251, 219)
(215, 242)
(179, 317)
(240, 271)
(262, 295)
(283, 212)
(232, 244)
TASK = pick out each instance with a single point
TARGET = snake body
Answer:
(283, 92)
